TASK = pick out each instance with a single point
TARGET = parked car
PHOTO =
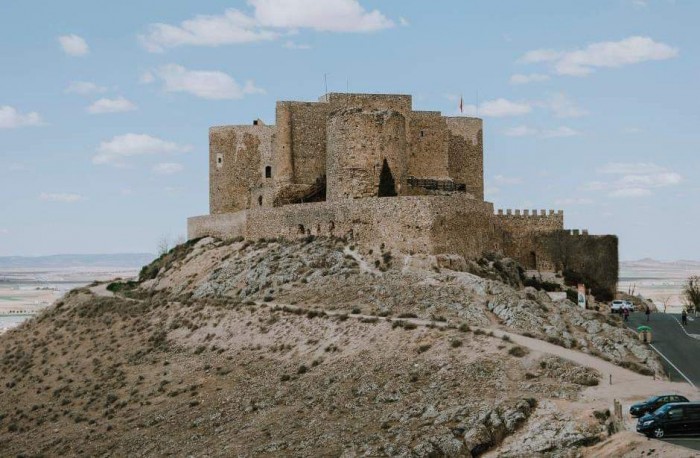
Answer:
(616, 306)
(654, 402)
(675, 419)
(619, 305)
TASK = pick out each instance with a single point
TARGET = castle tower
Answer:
(366, 153)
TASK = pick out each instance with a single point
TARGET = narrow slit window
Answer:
(268, 172)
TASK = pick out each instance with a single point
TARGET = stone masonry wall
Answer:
(308, 135)
(593, 257)
(519, 240)
(406, 224)
(428, 140)
(224, 226)
(358, 143)
(466, 153)
(238, 156)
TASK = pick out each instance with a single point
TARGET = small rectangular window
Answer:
(268, 172)
(422, 133)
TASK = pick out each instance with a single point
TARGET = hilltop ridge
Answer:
(308, 347)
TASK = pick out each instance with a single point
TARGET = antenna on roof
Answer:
(325, 84)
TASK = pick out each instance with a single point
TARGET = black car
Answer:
(653, 403)
(675, 419)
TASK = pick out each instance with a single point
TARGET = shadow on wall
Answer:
(387, 185)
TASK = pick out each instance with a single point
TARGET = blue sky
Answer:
(591, 107)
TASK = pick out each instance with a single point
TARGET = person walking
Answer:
(626, 314)
(647, 312)
(684, 317)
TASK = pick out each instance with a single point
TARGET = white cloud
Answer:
(525, 131)
(118, 105)
(60, 197)
(559, 132)
(504, 180)
(498, 108)
(292, 45)
(269, 20)
(404, 22)
(563, 107)
(73, 45)
(607, 54)
(631, 168)
(327, 16)
(289, 44)
(167, 168)
(526, 79)
(631, 192)
(84, 88)
(634, 179)
(115, 151)
(146, 78)
(10, 118)
(521, 131)
(574, 201)
(491, 191)
(205, 84)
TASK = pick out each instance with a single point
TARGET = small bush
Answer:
(455, 343)
(302, 369)
(423, 348)
(506, 338)
(285, 378)
(408, 315)
(464, 327)
(518, 351)
(356, 310)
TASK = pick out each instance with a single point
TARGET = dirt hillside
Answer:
(313, 349)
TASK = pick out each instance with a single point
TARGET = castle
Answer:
(370, 168)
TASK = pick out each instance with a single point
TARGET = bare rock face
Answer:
(301, 348)
(553, 434)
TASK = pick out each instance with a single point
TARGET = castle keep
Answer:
(368, 167)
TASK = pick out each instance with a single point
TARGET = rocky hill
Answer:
(311, 348)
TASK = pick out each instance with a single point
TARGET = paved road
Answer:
(680, 354)
(679, 350)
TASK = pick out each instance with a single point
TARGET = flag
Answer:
(461, 104)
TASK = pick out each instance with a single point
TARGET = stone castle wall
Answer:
(521, 227)
(466, 153)
(358, 143)
(345, 152)
(428, 145)
(238, 156)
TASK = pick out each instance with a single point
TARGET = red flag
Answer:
(461, 104)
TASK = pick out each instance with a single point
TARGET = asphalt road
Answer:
(680, 352)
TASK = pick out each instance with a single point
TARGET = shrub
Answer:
(356, 310)
(464, 327)
(455, 343)
(518, 351)
(408, 315)
(285, 378)
(423, 348)
(118, 286)
(542, 285)
(302, 369)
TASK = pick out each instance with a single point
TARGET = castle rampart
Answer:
(368, 167)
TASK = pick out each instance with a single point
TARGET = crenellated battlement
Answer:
(531, 213)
